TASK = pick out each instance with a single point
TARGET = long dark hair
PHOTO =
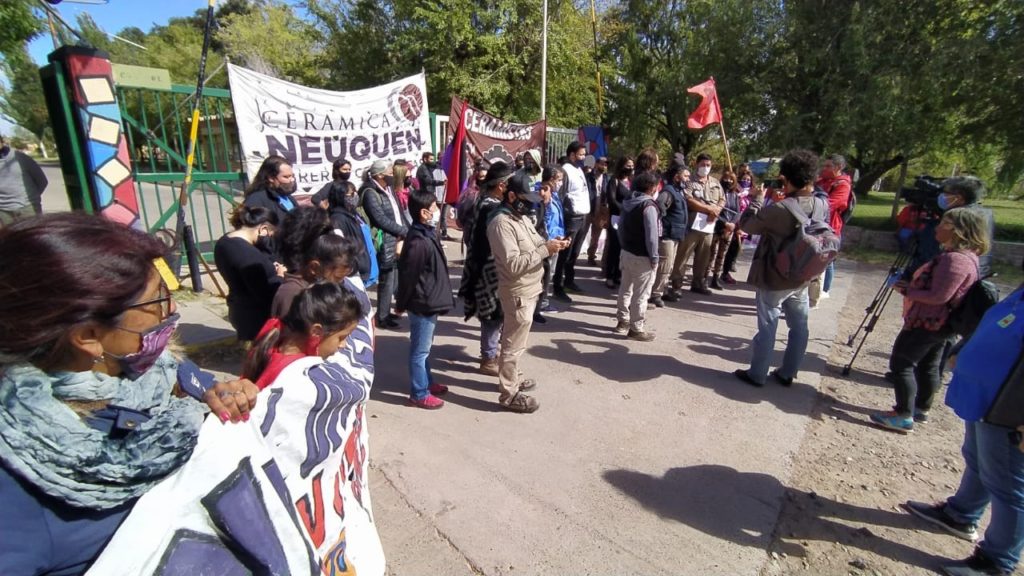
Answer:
(62, 270)
(301, 227)
(270, 168)
(331, 305)
(620, 167)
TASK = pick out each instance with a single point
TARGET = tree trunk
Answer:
(42, 148)
(869, 176)
(899, 186)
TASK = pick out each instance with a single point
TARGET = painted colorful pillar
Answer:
(99, 133)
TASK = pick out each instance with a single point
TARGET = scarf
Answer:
(46, 443)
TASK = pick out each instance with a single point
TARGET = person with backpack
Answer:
(779, 272)
(935, 290)
(837, 184)
(985, 392)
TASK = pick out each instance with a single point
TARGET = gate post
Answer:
(87, 122)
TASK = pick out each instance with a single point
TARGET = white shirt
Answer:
(576, 191)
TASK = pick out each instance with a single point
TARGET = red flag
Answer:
(454, 161)
(708, 111)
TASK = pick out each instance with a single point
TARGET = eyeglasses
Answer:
(164, 300)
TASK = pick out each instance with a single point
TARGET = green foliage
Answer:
(18, 24)
(272, 39)
(23, 101)
(873, 213)
(486, 51)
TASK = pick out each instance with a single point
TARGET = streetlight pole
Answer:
(544, 66)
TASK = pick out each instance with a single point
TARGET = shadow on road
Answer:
(608, 363)
(739, 507)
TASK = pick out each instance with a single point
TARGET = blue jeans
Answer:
(994, 472)
(490, 338)
(421, 337)
(826, 284)
(770, 304)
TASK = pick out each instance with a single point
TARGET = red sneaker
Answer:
(438, 389)
(429, 403)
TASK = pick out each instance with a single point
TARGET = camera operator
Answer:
(957, 192)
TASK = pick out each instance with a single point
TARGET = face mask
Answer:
(745, 183)
(352, 202)
(523, 207)
(285, 189)
(703, 171)
(726, 184)
(435, 218)
(4, 150)
(344, 176)
(265, 244)
(154, 342)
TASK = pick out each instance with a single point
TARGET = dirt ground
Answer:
(841, 513)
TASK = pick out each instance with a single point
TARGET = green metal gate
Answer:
(156, 123)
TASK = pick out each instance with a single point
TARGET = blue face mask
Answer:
(943, 203)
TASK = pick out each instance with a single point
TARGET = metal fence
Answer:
(156, 124)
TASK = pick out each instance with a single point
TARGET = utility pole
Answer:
(544, 66)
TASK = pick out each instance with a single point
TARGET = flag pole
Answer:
(728, 157)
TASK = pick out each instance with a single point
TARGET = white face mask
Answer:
(703, 171)
(435, 218)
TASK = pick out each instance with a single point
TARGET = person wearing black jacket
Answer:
(425, 291)
(617, 191)
(432, 179)
(672, 204)
(272, 187)
(342, 204)
(386, 216)
(341, 173)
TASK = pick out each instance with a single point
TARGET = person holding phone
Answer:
(519, 252)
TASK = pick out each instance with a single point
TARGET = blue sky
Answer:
(116, 15)
(112, 17)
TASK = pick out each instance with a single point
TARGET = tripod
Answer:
(874, 310)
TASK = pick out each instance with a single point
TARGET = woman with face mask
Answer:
(244, 261)
(94, 411)
(341, 174)
(343, 205)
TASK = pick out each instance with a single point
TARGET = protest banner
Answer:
(284, 493)
(480, 136)
(312, 128)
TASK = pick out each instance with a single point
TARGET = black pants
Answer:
(545, 285)
(612, 254)
(565, 266)
(387, 283)
(914, 364)
(443, 225)
(733, 253)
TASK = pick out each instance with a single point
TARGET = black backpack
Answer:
(965, 317)
(847, 214)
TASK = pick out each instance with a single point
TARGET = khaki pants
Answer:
(719, 247)
(9, 216)
(698, 244)
(666, 260)
(637, 280)
(518, 313)
(598, 221)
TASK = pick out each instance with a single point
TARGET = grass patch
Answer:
(1007, 276)
(874, 211)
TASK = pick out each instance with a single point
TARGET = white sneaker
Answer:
(823, 295)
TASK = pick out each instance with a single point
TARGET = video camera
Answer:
(924, 193)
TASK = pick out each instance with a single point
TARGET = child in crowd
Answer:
(425, 291)
(330, 258)
(320, 319)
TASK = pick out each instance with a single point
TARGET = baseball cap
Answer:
(520, 184)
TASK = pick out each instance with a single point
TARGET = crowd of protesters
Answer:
(298, 276)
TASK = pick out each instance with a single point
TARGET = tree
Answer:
(661, 47)
(272, 39)
(23, 101)
(18, 24)
(486, 51)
